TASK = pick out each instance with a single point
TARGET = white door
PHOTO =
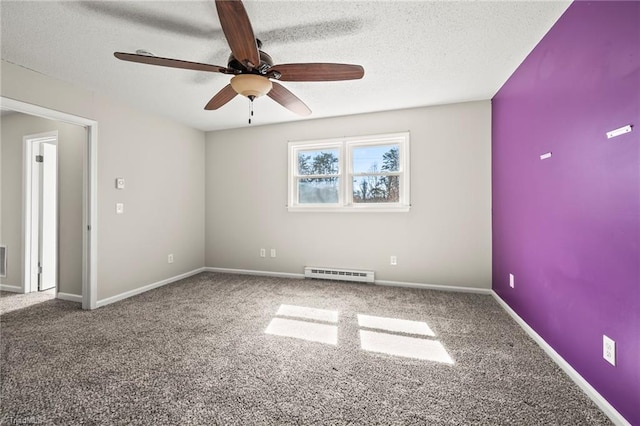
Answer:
(48, 217)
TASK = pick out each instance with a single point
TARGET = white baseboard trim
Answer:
(134, 292)
(434, 287)
(252, 272)
(11, 288)
(598, 399)
(377, 282)
(70, 297)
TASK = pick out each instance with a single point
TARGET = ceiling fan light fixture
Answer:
(251, 85)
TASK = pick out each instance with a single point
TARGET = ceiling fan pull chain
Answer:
(250, 109)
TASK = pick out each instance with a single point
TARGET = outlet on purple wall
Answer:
(568, 226)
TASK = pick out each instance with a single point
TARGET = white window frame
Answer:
(345, 173)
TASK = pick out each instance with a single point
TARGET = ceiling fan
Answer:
(253, 69)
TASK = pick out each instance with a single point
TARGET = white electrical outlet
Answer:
(119, 183)
(119, 208)
(263, 253)
(609, 350)
(170, 258)
(512, 281)
(394, 260)
(273, 252)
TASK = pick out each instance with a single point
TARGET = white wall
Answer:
(445, 239)
(71, 142)
(162, 162)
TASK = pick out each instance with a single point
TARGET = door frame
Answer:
(89, 192)
(29, 194)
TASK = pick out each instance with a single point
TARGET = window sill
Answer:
(349, 209)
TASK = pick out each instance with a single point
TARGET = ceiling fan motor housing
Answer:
(266, 62)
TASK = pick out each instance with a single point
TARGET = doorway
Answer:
(89, 190)
(41, 212)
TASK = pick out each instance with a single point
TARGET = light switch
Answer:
(119, 183)
(119, 208)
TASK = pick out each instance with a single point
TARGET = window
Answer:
(368, 173)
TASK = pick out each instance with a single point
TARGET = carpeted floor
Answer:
(196, 352)
(14, 301)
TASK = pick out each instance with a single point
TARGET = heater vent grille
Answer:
(3, 261)
(339, 274)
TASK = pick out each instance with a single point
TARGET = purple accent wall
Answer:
(568, 227)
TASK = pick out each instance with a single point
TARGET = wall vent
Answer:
(339, 274)
(3, 261)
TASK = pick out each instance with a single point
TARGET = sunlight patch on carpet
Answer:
(308, 313)
(395, 325)
(311, 331)
(410, 347)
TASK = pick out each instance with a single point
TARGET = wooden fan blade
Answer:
(318, 72)
(238, 32)
(287, 99)
(173, 63)
(222, 97)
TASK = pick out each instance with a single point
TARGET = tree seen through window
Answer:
(368, 173)
(377, 184)
(323, 169)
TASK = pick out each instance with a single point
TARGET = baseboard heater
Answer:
(339, 274)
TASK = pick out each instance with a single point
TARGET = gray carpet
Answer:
(196, 352)
(14, 301)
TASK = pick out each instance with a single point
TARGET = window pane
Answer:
(376, 158)
(318, 191)
(376, 189)
(320, 162)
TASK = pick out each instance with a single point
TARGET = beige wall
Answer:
(162, 162)
(445, 239)
(71, 142)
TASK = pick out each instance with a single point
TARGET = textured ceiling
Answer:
(414, 53)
